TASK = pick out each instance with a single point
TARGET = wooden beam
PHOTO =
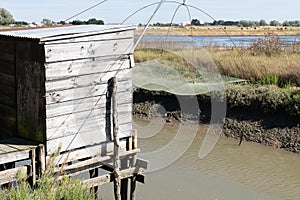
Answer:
(9, 175)
(141, 178)
(107, 178)
(14, 156)
(140, 163)
(90, 49)
(90, 151)
(122, 33)
(69, 69)
(90, 164)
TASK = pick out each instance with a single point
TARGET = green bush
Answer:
(266, 98)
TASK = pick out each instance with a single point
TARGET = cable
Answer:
(85, 10)
(148, 23)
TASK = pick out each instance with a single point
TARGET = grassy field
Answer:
(266, 61)
(222, 30)
(277, 68)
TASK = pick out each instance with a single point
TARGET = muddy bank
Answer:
(273, 128)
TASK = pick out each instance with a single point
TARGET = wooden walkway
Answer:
(88, 159)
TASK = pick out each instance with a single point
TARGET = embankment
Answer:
(262, 114)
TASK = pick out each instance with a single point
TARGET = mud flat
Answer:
(259, 123)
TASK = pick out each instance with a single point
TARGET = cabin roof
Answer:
(66, 32)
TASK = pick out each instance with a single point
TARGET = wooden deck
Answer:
(75, 162)
(13, 150)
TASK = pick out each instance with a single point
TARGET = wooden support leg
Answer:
(94, 190)
(125, 164)
(124, 189)
(133, 179)
(33, 167)
(132, 188)
(42, 159)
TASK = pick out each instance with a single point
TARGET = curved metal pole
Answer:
(148, 23)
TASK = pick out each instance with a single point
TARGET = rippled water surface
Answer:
(249, 171)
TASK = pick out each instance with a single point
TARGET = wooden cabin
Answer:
(54, 84)
(55, 87)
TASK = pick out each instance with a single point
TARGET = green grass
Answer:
(265, 98)
(267, 61)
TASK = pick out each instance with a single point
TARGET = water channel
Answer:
(222, 41)
(249, 172)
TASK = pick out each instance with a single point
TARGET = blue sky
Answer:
(114, 11)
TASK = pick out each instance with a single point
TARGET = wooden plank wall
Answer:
(78, 104)
(7, 88)
(30, 75)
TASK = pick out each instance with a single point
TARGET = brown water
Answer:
(250, 171)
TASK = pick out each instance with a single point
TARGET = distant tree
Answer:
(77, 22)
(157, 24)
(62, 22)
(231, 23)
(47, 22)
(262, 22)
(21, 23)
(217, 22)
(274, 23)
(207, 24)
(195, 22)
(286, 23)
(295, 23)
(90, 21)
(6, 17)
(244, 23)
(95, 21)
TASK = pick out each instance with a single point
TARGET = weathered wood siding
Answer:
(78, 105)
(30, 75)
(8, 126)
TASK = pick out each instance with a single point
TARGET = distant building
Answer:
(188, 23)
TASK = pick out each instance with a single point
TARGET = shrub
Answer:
(48, 187)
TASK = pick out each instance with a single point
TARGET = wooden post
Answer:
(42, 159)
(117, 181)
(33, 166)
(94, 189)
(125, 163)
(133, 179)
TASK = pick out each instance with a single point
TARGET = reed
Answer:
(267, 61)
(281, 69)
